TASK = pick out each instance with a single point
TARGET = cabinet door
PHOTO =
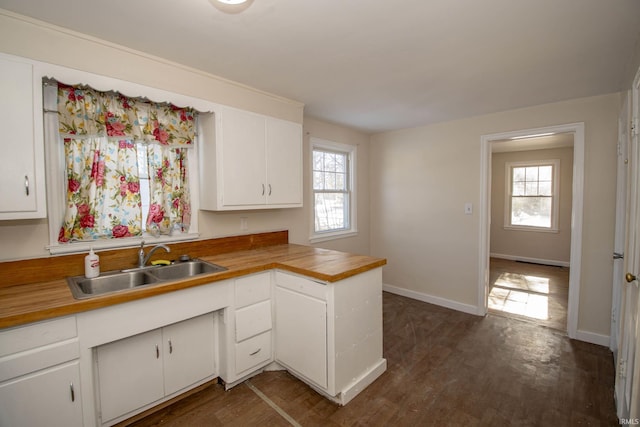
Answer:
(17, 177)
(130, 374)
(188, 352)
(284, 162)
(243, 158)
(301, 334)
(50, 397)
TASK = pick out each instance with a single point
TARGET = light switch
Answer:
(468, 208)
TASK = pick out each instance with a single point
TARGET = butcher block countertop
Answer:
(29, 302)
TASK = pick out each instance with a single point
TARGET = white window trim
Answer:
(56, 187)
(554, 198)
(324, 144)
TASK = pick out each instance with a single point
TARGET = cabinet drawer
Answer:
(252, 352)
(253, 289)
(36, 335)
(253, 320)
(30, 361)
(301, 284)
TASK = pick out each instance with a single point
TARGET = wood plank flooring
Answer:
(531, 292)
(445, 368)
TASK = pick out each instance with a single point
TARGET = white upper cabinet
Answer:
(284, 163)
(22, 192)
(244, 166)
(250, 161)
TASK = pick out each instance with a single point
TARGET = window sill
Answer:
(534, 229)
(332, 236)
(78, 247)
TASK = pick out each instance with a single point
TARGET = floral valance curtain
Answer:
(102, 132)
(85, 112)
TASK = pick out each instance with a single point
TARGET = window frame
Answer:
(555, 192)
(55, 161)
(351, 153)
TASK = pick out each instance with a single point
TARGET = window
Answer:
(333, 169)
(532, 195)
(157, 171)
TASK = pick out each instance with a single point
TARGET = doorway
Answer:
(530, 234)
(515, 138)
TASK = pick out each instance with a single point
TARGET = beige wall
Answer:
(27, 38)
(422, 177)
(335, 133)
(531, 245)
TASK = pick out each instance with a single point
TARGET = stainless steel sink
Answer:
(120, 280)
(81, 287)
(185, 269)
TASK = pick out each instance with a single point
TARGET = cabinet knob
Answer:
(630, 277)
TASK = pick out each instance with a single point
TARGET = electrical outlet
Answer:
(468, 208)
(244, 226)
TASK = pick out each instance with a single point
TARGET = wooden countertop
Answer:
(32, 302)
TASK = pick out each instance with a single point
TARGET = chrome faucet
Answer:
(142, 259)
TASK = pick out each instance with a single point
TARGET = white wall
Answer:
(532, 245)
(25, 37)
(422, 177)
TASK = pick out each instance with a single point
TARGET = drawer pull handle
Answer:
(263, 189)
(157, 352)
(170, 347)
(255, 352)
(73, 393)
(269, 189)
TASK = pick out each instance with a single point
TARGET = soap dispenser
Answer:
(91, 265)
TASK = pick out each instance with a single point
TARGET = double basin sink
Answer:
(114, 281)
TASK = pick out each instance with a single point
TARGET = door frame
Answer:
(576, 215)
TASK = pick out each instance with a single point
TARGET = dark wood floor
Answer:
(532, 292)
(445, 368)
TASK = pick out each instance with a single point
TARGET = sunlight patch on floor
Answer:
(522, 295)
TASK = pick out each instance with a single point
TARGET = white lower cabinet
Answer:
(329, 334)
(139, 370)
(301, 330)
(39, 375)
(189, 353)
(248, 334)
(129, 374)
(46, 398)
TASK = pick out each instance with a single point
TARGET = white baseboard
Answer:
(443, 302)
(586, 336)
(593, 338)
(531, 260)
(363, 382)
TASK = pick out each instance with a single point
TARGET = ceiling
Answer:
(379, 65)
